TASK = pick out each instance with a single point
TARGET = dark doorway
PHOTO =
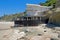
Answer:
(46, 21)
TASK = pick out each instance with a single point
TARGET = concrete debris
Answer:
(39, 38)
(17, 35)
(6, 25)
(30, 33)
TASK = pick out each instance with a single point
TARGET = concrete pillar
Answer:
(40, 19)
(32, 18)
(27, 18)
(36, 18)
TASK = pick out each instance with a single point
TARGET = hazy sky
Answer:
(15, 6)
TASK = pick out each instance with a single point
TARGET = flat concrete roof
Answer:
(38, 5)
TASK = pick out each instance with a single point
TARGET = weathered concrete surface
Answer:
(39, 38)
(17, 35)
(6, 25)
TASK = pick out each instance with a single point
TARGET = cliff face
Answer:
(55, 17)
(58, 3)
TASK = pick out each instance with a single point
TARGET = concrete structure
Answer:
(36, 10)
(6, 25)
(34, 15)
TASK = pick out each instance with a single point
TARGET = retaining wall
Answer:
(6, 25)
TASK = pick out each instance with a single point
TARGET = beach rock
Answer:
(39, 38)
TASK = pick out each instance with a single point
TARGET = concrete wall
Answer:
(6, 25)
(36, 10)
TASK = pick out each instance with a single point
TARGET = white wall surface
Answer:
(33, 10)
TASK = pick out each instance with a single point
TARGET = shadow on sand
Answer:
(51, 26)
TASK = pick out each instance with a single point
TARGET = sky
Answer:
(15, 6)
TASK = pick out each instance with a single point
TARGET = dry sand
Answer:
(32, 33)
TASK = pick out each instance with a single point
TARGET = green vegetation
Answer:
(11, 17)
(49, 3)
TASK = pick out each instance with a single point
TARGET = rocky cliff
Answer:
(55, 17)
